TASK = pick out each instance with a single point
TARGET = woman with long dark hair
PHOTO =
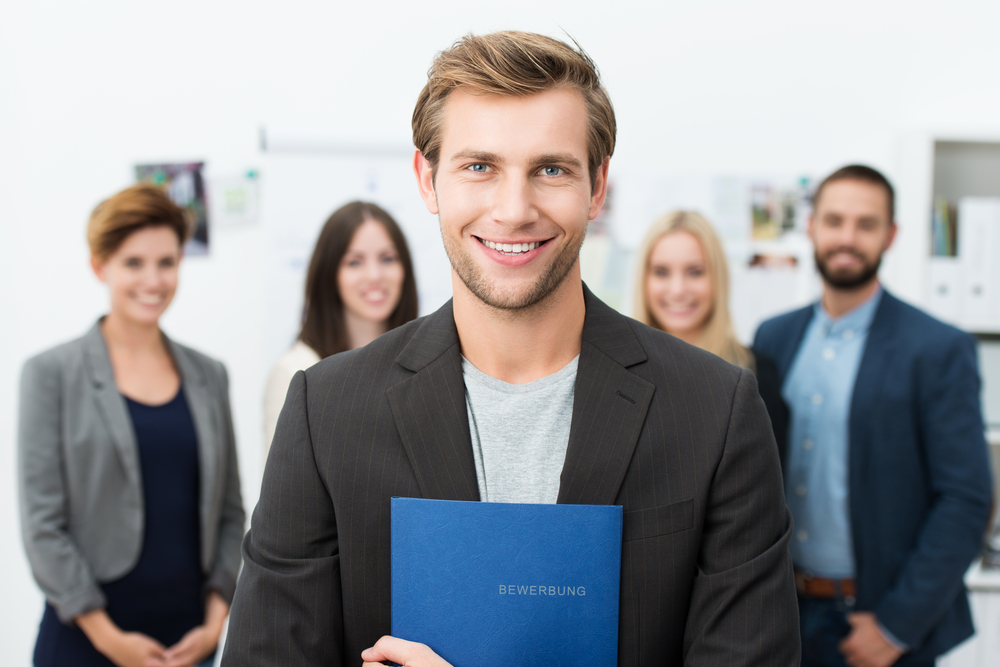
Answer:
(359, 285)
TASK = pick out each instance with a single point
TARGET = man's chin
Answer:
(511, 299)
(848, 279)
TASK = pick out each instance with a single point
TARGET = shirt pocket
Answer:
(658, 521)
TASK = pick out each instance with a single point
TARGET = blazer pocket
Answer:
(657, 521)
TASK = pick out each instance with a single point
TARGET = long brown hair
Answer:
(323, 325)
(717, 336)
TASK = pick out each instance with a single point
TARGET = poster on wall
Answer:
(185, 183)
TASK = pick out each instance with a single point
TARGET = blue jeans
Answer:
(823, 624)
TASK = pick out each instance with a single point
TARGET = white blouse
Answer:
(298, 358)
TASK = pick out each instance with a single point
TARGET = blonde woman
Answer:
(683, 289)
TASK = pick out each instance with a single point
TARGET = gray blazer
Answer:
(80, 483)
(676, 436)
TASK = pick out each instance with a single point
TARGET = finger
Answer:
(394, 649)
(187, 644)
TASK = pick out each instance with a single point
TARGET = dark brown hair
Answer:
(130, 210)
(513, 63)
(859, 172)
(323, 325)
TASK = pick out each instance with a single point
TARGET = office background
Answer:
(89, 90)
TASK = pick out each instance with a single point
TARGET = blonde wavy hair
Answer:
(717, 336)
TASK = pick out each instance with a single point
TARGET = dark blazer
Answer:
(675, 435)
(918, 468)
(80, 483)
(769, 386)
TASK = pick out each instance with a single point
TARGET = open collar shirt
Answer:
(818, 390)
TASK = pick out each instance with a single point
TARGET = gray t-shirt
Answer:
(519, 433)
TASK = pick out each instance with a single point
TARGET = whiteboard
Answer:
(301, 185)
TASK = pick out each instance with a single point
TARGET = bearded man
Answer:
(886, 469)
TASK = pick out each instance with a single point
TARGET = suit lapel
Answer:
(872, 372)
(430, 414)
(110, 403)
(609, 408)
(201, 405)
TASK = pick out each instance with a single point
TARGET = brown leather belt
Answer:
(819, 587)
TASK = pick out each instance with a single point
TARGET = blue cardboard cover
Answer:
(503, 584)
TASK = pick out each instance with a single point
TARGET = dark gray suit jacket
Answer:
(675, 435)
(82, 510)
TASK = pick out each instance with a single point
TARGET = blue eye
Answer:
(479, 168)
(552, 171)
(388, 259)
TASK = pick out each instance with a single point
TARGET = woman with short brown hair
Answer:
(130, 495)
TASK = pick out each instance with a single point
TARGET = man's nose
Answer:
(514, 204)
(847, 235)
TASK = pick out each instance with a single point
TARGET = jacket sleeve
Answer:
(743, 608)
(957, 463)
(60, 569)
(288, 604)
(232, 518)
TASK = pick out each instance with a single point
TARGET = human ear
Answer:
(97, 266)
(425, 181)
(893, 228)
(600, 189)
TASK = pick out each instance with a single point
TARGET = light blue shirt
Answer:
(818, 391)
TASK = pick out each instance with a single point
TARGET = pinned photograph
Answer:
(185, 184)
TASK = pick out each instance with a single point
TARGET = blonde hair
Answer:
(130, 210)
(717, 336)
(513, 63)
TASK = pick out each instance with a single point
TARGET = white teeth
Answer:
(510, 248)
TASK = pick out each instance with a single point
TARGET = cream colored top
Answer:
(298, 358)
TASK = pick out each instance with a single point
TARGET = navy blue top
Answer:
(162, 596)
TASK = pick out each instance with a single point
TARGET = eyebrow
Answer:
(482, 156)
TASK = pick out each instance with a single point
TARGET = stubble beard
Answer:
(848, 281)
(512, 300)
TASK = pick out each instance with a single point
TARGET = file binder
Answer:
(505, 585)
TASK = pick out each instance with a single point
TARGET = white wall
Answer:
(89, 89)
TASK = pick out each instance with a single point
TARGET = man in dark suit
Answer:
(886, 469)
(523, 388)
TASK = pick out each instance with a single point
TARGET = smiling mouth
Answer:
(149, 300)
(512, 249)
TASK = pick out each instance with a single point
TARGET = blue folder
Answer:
(504, 585)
